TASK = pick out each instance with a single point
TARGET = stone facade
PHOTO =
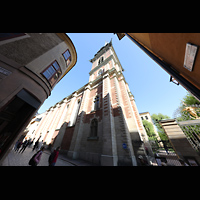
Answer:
(101, 123)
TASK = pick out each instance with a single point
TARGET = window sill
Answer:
(93, 138)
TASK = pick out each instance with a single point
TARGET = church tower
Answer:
(108, 129)
(100, 122)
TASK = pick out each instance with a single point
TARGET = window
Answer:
(67, 57)
(93, 130)
(100, 60)
(52, 73)
(146, 117)
(96, 103)
(142, 118)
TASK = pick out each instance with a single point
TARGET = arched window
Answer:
(93, 128)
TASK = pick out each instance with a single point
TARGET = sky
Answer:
(147, 81)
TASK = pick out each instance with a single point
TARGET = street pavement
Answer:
(18, 159)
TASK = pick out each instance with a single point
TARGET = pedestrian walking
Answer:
(15, 147)
(24, 145)
(36, 145)
(165, 147)
(53, 157)
(142, 161)
(18, 146)
(31, 142)
(34, 161)
(40, 144)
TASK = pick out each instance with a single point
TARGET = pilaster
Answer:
(109, 148)
(78, 132)
(124, 133)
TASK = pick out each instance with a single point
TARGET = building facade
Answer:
(31, 64)
(176, 53)
(99, 122)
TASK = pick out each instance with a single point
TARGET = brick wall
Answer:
(65, 145)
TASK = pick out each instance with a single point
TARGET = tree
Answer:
(149, 128)
(190, 100)
(189, 109)
(156, 118)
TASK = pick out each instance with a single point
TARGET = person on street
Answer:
(142, 161)
(24, 145)
(53, 157)
(40, 144)
(18, 146)
(34, 161)
(36, 145)
(15, 147)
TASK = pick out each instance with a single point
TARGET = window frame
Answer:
(93, 130)
(58, 71)
(96, 103)
(101, 59)
(69, 59)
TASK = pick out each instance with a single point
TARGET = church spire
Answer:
(101, 51)
(105, 59)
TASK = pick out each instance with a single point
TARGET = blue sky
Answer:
(148, 82)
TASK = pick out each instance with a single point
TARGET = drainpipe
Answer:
(168, 68)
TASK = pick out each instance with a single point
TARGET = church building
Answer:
(99, 122)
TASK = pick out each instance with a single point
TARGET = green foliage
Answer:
(156, 118)
(149, 128)
(190, 100)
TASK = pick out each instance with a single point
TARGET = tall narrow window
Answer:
(52, 73)
(100, 60)
(96, 103)
(67, 57)
(94, 128)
